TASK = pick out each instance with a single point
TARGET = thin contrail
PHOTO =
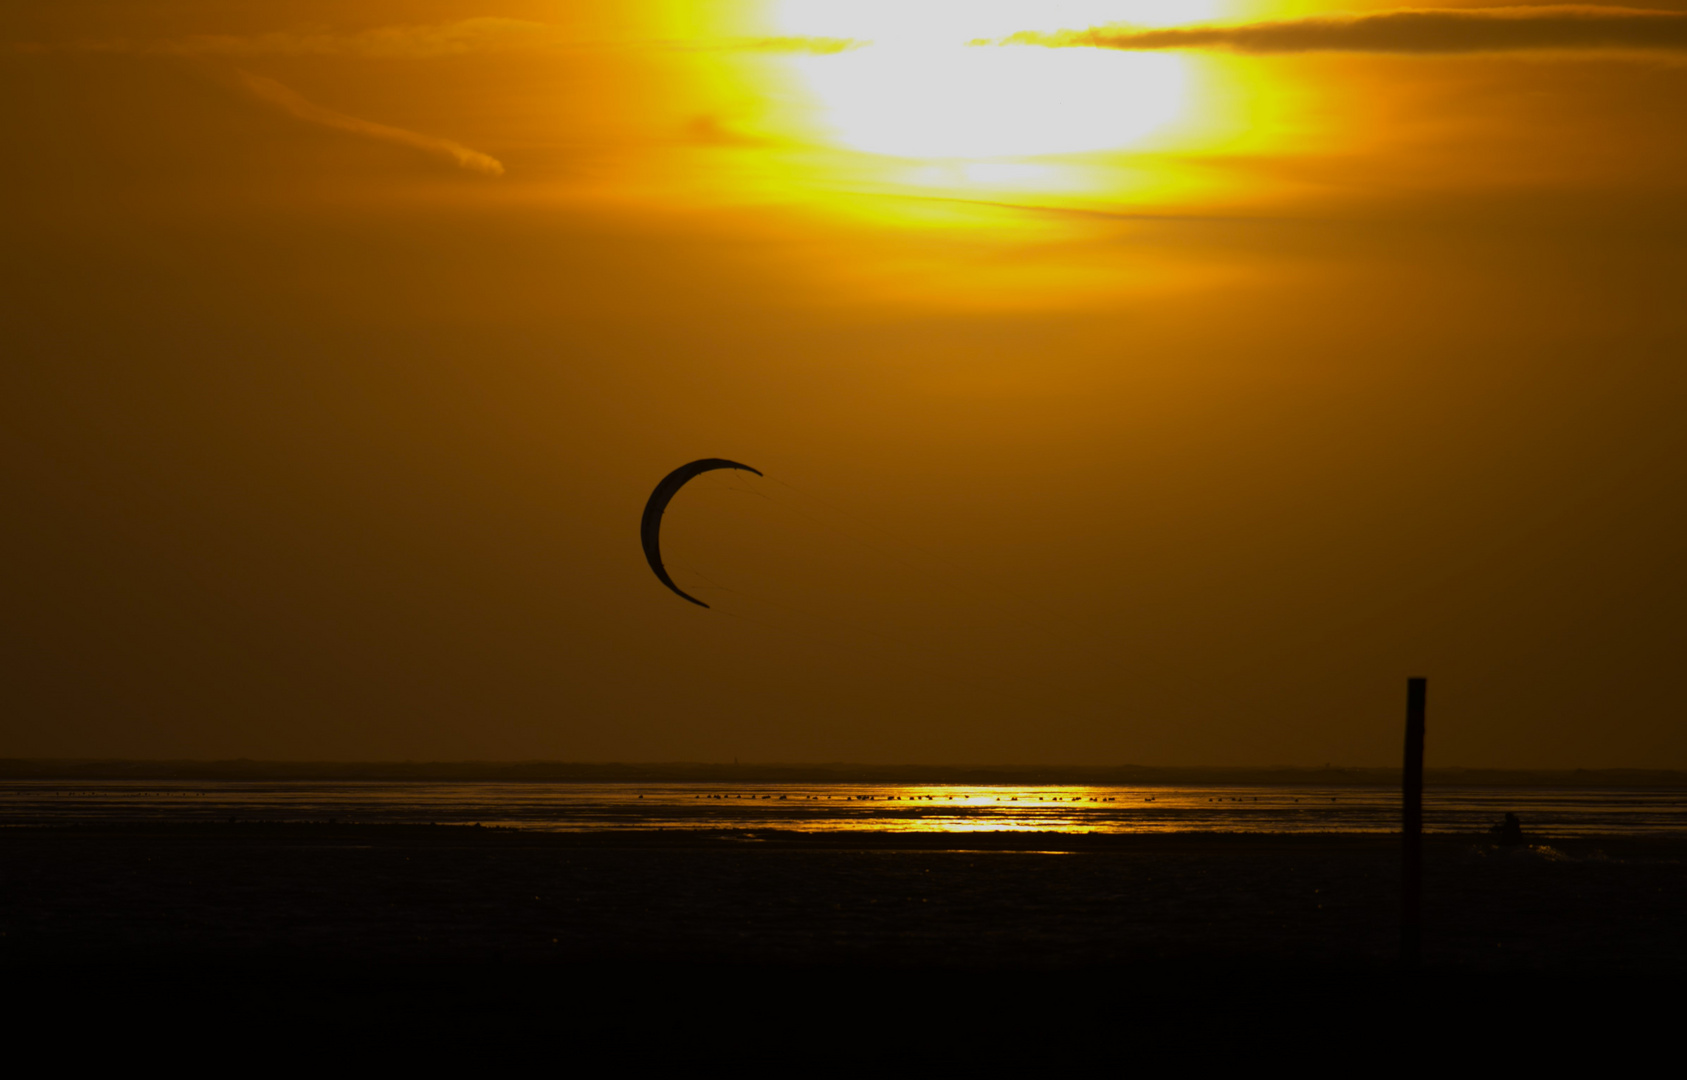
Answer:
(292, 103)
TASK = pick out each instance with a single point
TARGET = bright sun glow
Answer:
(947, 102)
(920, 91)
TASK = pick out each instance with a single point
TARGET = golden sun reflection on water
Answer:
(963, 809)
(761, 810)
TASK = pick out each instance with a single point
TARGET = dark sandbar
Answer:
(505, 930)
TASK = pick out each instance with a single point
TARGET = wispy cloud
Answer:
(1407, 31)
(822, 45)
(290, 102)
(439, 39)
(480, 35)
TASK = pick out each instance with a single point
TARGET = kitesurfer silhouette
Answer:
(650, 529)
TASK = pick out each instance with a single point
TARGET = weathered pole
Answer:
(1411, 831)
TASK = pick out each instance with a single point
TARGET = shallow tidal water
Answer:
(571, 807)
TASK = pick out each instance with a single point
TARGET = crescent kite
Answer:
(650, 529)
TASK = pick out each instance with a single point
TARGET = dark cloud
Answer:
(1411, 31)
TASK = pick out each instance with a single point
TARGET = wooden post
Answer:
(1411, 831)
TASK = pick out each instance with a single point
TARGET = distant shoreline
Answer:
(19, 769)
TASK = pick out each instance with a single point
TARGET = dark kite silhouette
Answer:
(650, 529)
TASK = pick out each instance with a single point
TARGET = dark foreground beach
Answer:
(698, 938)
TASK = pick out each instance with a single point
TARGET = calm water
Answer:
(820, 807)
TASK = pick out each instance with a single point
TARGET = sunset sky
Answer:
(1155, 382)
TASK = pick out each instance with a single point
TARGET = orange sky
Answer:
(1162, 406)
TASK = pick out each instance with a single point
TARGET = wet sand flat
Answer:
(813, 949)
(970, 901)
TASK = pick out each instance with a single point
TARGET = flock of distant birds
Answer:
(951, 798)
(845, 798)
(904, 798)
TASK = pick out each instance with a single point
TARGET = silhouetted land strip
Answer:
(767, 943)
(684, 772)
(974, 900)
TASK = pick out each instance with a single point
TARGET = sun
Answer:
(923, 101)
(921, 91)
